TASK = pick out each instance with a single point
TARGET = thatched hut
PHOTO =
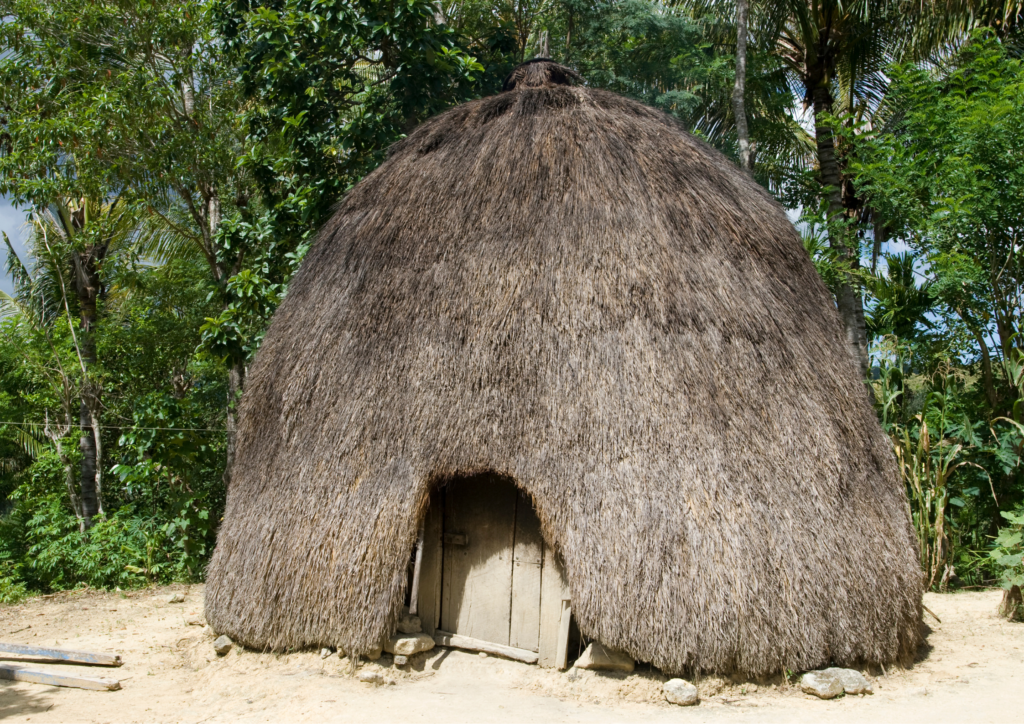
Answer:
(556, 325)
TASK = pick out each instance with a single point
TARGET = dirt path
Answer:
(972, 669)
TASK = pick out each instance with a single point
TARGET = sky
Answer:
(11, 221)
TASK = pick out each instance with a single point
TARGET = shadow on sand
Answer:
(17, 700)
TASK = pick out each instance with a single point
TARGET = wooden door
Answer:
(493, 555)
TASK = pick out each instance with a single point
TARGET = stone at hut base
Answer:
(598, 656)
(853, 681)
(409, 624)
(681, 692)
(822, 684)
(401, 660)
(371, 677)
(324, 653)
(374, 654)
(223, 645)
(176, 598)
(409, 644)
(341, 653)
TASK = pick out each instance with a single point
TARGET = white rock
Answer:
(598, 656)
(324, 653)
(409, 624)
(176, 598)
(822, 684)
(371, 677)
(681, 692)
(223, 645)
(401, 660)
(853, 681)
(409, 644)
(374, 654)
(195, 621)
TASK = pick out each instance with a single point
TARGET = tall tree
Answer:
(84, 231)
(126, 99)
(739, 89)
(828, 45)
(68, 245)
(964, 218)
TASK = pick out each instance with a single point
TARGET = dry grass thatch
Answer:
(560, 285)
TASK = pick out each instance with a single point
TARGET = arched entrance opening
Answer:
(487, 576)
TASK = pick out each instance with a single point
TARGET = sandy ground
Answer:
(971, 669)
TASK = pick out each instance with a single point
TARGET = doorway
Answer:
(493, 555)
(488, 574)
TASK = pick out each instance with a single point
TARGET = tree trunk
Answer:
(1012, 605)
(848, 298)
(87, 286)
(236, 381)
(87, 478)
(55, 437)
(236, 372)
(739, 105)
(988, 379)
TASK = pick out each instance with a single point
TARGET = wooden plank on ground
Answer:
(13, 672)
(78, 657)
(443, 638)
(527, 557)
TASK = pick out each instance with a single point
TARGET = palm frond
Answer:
(27, 437)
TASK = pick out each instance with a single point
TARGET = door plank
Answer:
(429, 602)
(478, 573)
(554, 590)
(527, 558)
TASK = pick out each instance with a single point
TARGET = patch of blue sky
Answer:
(12, 222)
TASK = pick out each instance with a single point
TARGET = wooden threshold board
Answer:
(443, 638)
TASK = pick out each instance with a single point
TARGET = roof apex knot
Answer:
(540, 73)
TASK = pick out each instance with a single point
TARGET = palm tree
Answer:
(830, 45)
(835, 53)
(69, 243)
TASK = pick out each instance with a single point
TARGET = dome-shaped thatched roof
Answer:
(562, 286)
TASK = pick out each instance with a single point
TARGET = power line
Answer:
(118, 427)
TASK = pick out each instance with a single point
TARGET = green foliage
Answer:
(226, 130)
(900, 305)
(166, 445)
(831, 263)
(62, 556)
(1008, 550)
(330, 85)
(945, 173)
(941, 167)
(950, 461)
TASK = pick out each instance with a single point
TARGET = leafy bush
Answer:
(1009, 551)
(124, 550)
(11, 589)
